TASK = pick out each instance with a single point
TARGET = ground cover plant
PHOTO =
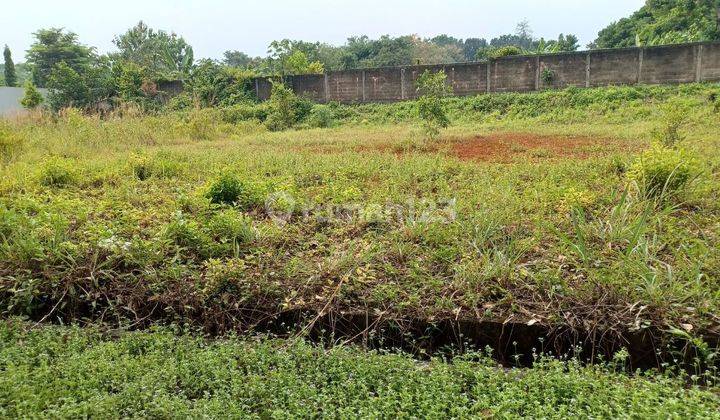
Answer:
(555, 208)
(63, 372)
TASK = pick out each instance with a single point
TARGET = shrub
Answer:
(675, 117)
(231, 190)
(186, 234)
(180, 102)
(244, 112)
(506, 51)
(547, 76)
(57, 172)
(145, 167)
(32, 98)
(231, 230)
(322, 116)
(431, 109)
(284, 108)
(663, 171)
(202, 124)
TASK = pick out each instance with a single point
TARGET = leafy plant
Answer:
(431, 109)
(282, 108)
(547, 76)
(662, 172)
(322, 116)
(231, 190)
(32, 97)
(57, 172)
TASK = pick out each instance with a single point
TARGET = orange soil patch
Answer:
(509, 147)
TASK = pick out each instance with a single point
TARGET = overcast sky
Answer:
(214, 26)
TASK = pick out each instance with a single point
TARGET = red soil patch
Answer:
(509, 147)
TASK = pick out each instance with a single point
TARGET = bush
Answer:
(505, 51)
(244, 112)
(231, 230)
(57, 172)
(662, 171)
(285, 109)
(145, 167)
(322, 116)
(32, 98)
(231, 190)
(202, 124)
(186, 234)
(431, 109)
(675, 117)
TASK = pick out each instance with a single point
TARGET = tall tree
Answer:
(237, 59)
(664, 22)
(53, 46)
(163, 54)
(10, 75)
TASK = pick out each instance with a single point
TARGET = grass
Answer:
(117, 220)
(69, 372)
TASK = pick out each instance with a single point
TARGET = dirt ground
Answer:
(510, 147)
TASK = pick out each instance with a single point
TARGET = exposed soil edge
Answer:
(512, 343)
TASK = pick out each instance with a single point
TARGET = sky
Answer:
(215, 26)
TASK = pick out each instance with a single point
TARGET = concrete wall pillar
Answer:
(587, 70)
(364, 96)
(403, 94)
(698, 62)
(641, 55)
(326, 87)
(537, 72)
(488, 75)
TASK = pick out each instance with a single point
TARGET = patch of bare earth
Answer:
(512, 147)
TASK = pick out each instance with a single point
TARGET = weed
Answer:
(57, 172)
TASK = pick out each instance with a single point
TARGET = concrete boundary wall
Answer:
(667, 64)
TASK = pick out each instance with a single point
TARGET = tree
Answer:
(431, 108)
(212, 84)
(10, 75)
(237, 59)
(32, 98)
(80, 89)
(664, 22)
(294, 57)
(163, 54)
(53, 46)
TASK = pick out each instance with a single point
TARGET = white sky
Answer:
(214, 26)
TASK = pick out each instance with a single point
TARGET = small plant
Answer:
(32, 98)
(675, 118)
(57, 172)
(231, 190)
(322, 116)
(431, 109)
(202, 124)
(548, 76)
(282, 108)
(231, 230)
(662, 171)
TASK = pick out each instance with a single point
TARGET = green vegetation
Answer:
(431, 109)
(72, 372)
(357, 217)
(662, 22)
(32, 97)
(9, 68)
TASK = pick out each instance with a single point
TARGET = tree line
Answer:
(145, 58)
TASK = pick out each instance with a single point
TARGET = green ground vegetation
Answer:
(206, 215)
(63, 372)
